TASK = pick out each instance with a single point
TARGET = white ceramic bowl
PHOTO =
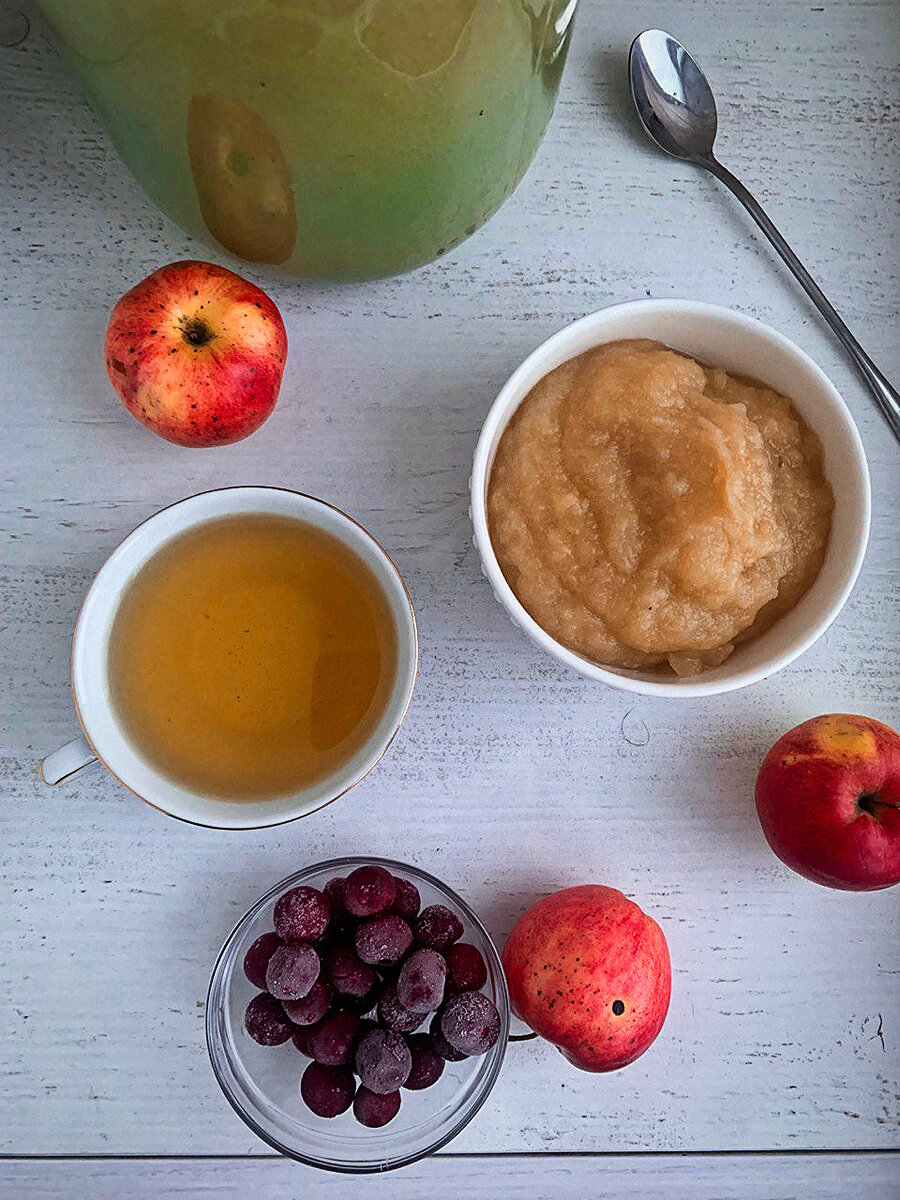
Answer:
(744, 345)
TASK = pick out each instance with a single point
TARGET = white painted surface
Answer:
(569, 1177)
(511, 777)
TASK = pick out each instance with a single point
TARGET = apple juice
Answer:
(333, 138)
(251, 657)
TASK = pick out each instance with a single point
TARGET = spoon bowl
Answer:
(672, 96)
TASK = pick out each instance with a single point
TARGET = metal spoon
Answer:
(677, 108)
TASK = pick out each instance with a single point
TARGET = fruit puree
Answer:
(652, 512)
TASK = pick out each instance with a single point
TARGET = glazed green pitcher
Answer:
(341, 139)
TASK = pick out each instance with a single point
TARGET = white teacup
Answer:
(103, 736)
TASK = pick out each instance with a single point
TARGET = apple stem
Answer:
(870, 802)
(521, 1037)
(195, 331)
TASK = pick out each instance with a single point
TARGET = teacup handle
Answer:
(67, 760)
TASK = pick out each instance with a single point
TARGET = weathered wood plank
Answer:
(568, 1177)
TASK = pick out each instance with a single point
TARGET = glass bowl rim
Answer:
(217, 989)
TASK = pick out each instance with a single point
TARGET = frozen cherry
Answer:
(334, 1039)
(394, 1015)
(427, 1064)
(407, 900)
(327, 1091)
(301, 915)
(375, 1110)
(437, 927)
(257, 958)
(314, 1005)
(421, 982)
(302, 1038)
(333, 891)
(349, 975)
(384, 938)
(440, 1043)
(265, 1021)
(466, 971)
(470, 1023)
(292, 971)
(369, 890)
(383, 1061)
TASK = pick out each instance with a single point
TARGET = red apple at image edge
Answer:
(828, 799)
(590, 972)
(196, 353)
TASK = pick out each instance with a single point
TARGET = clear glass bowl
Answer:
(262, 1083)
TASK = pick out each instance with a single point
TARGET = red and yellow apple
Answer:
(828, 798)
(590, 972)
(196, 353)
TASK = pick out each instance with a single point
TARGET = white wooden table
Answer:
(778, 1072)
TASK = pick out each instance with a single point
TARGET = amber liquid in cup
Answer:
(252, 657)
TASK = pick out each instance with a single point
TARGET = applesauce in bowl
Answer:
(649, 511)
(756, 357)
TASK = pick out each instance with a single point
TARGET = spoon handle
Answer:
(886, 395)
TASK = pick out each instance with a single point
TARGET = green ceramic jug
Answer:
(341, 139)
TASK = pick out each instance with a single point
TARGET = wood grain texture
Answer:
(569, 1177)
(510, 777)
